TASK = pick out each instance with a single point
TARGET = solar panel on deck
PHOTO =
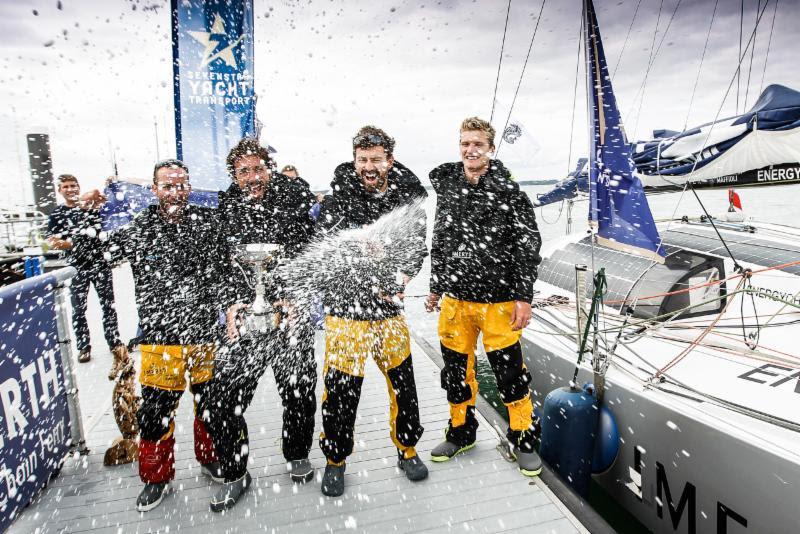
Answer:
(622, 270)
(629, 278)
(745, 247)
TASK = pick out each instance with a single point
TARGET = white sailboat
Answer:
(696, 345)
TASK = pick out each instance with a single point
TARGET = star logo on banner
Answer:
(211, 40)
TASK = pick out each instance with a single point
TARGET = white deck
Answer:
(478, 492)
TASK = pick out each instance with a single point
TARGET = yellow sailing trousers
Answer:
(348, 346)
(460, 323)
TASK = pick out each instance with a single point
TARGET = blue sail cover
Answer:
(672, 153)
(212, 48)
(567, 188)
(617, 201)
(760, 147)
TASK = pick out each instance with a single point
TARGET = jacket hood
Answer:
(497, 179)
(346, 178)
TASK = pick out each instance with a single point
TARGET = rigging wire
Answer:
(625, 44)
(739, 72)
(500, 63)
(521, 75)
(700, 67)
(697, 160)
(750, 68)
(575, 96)
(769, 44)
(650, 64)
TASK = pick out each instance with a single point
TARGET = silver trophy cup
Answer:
(261, 259)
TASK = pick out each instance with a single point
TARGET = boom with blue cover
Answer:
(761, 146)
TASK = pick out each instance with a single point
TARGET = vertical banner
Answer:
(212, 53)
(34, 416)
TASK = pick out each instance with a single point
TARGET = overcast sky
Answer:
(97, 75)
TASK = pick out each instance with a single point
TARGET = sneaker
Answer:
(300, 470)
(151, 496)
(230, 493)
(529, 463)
(524, 443)
(333, 480)
(413, 467)
(85, 355)
(447, 449)
(213, 470)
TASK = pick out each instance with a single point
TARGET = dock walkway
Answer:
(477, 492)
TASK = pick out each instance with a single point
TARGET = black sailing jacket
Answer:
(178, 272)
(281, 216)
(351, 206)
(485, 240)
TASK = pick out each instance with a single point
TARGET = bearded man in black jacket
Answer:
(364, 314)
(262, 206)
(484, 257)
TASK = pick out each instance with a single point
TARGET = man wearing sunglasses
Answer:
(364, 311)
(176, 255)
(262, 206)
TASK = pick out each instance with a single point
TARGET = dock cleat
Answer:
(230, 493)
(151, 496)
(213, 470)
(447, 449)
(300, 471)
(333, 480)
(413, 467)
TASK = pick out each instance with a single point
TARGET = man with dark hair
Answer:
(75, 227)
(177, 258)
(262, 206)
(364, 314)
(484, 257)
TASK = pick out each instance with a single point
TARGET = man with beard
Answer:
(262, 206)
(484, 256)
(75, 227)
(176, 257)
(364, 313)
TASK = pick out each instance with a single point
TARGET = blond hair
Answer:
(473, 124)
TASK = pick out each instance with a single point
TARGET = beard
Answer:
(256, 188)
(373, 181)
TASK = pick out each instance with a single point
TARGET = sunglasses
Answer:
(370, 139)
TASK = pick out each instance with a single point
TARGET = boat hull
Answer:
(679, 469)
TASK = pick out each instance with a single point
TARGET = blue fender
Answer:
(606, 446)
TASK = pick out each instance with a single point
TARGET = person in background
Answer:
(291, 172)
(364, 315)
(75, 227)
(484, 256)
(177, 258)
(262, 206)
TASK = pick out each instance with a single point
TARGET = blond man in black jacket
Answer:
(484, 257)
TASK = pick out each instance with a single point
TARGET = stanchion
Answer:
(67, 361)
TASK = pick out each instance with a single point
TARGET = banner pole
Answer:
(65, 345)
